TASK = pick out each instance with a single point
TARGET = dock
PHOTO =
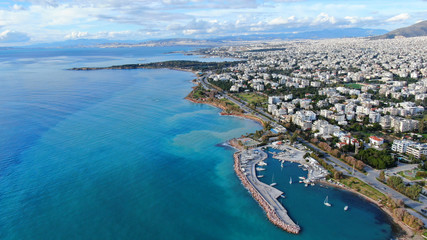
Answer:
(265, 195)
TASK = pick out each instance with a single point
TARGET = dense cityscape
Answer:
(358, 103)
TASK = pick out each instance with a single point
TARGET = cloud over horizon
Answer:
(54, 20)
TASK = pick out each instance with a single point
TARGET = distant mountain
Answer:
(321, 34)
(416, 30)
(290, 35)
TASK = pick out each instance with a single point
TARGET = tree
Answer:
(338, 175)
(382, 176)
(294, 137)
(421, 126)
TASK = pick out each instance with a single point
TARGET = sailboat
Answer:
(290, 180)
(272, 182)
(326, 202)
(345, 208)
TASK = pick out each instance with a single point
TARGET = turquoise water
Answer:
(121, 155)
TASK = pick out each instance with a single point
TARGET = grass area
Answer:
(402, 174)
(354, 85)
(363, 188)
(253, 98)
(412, 178)
(228, 102)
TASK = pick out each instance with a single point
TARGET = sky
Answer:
(36, 21)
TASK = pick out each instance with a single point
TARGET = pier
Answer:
(265, 195)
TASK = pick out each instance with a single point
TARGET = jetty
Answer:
(265, 195)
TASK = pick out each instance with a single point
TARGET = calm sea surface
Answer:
(113, 154)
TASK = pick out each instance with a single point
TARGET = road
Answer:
(370, 178)
(206, 85)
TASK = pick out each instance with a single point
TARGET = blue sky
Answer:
(24, 22)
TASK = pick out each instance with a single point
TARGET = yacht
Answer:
(326, 202)
(345, 208)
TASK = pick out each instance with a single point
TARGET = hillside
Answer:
(416, 30)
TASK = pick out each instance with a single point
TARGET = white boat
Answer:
(260, 169)
(302, 178)
(262, 163)
(312, 184)
(345, 208)
(272, 182)
(290, 180)
(326, 202)
(306, 185)
(282, 196)
(260, 176)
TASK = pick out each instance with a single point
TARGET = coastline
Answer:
(404, 232)
(251, 117)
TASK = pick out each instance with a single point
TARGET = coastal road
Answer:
(370, 178)
(243, 106)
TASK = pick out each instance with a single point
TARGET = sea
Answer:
(120, 154)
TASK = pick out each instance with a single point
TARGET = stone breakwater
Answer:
(269, 210)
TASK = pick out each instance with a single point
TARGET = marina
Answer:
(265, 195)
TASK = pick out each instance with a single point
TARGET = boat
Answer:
(260, 176)
(306, 185)
(282, 196)
(260, 169)
(261, 163)
(345, 208)
(302, 178)
(300, 181)
(272, 182)
(326, 202)
(290, 180)
(312, 184)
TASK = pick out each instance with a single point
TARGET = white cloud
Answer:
(355, 19)
(399, 17)
(77, 35)
(12, 36)
(17, 7)
(281, 20)
(324, 18)
(189, 31)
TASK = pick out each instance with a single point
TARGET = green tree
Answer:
(421, 126)
(382, 176)
(294, 137)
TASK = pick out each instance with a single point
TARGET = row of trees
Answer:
(336, 153)
(377, 159)
(397, 208)
(224, 85)
(412, 191)
(408, 219)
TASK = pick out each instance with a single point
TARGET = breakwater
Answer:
(283, 221)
